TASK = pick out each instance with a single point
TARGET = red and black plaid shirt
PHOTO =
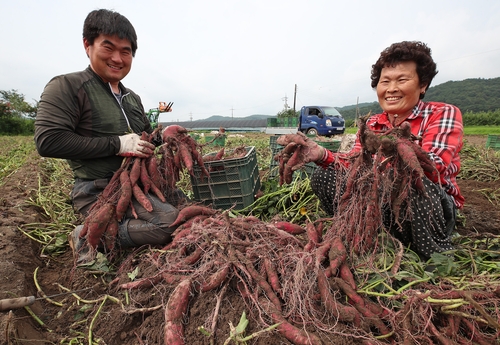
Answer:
(440, 128)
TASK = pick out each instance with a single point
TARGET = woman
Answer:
(401, 76)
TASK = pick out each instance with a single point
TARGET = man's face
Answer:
(110, 57)
(399, 88)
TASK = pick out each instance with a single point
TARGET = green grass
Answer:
(481, 130)
(468, 130)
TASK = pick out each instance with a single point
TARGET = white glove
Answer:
(131, 145)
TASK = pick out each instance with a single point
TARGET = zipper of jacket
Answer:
(121, 107)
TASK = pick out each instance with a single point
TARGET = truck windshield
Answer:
(331, 111)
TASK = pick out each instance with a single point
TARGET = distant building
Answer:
(240, 125)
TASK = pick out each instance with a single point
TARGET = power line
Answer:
(467, 56)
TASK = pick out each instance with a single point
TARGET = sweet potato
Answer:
(110, 234)
(85, 229)
(338, 310)
(181, 234)
(98, 223)
(295, 335)
(173, 131)
(141, 198)
(153, 171)
(215, 280)
(188, 224)
(322, 251)
(158, 192)
(171, 279)
(291, 228)
(359, 303)
(125, 195)
(219, 154)
(186, 158)
(190, 212)
(296, 161)
(144, 177)
(193, 258)
(174, 333)
(135, 171)
(175, 309)
(346, 274)
(407, 154)
(264, 285)
(178, 301)
(337, 254)
(272, 275)
(312, 233)
(113, 183)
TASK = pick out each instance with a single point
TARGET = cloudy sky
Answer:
(241, 57)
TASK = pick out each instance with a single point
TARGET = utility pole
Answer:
(232, 112)
(286, 104)
(294, 97)
(191, 116)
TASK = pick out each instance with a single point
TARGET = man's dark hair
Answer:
(109, 23)
(403, 52)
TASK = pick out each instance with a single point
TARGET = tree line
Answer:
(16, 115)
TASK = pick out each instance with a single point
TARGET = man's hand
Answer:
(131, 145)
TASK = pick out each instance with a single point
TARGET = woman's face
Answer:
(399, 88)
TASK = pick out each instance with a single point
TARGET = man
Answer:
(91, 119)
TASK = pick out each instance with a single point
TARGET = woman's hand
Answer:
(298, 150)
(310, 150)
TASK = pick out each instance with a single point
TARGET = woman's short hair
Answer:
(109, 23)
(405, 51)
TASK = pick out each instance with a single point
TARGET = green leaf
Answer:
(242, 325)
(132, 275)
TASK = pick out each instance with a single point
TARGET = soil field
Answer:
(101, 313)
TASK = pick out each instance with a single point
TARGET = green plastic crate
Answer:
(233, 182)
(329, 145)
(272, 122)
(493, 142)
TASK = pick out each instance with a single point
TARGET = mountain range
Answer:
(470, 95)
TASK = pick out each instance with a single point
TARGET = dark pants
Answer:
(429, 226)
(149, 228)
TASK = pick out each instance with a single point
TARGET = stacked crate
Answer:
(233, 182)
(493, 142)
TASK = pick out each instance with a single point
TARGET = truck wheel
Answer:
(312, 131)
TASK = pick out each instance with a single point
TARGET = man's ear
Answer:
(86, 45)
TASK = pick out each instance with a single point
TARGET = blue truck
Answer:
(313, 120)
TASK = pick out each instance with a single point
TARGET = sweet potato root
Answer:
(286, 329)
(291, 228)
(125, 195)
(215, 280)
(190, 212)
(141, 198)
(98, 224)
(175, 309)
